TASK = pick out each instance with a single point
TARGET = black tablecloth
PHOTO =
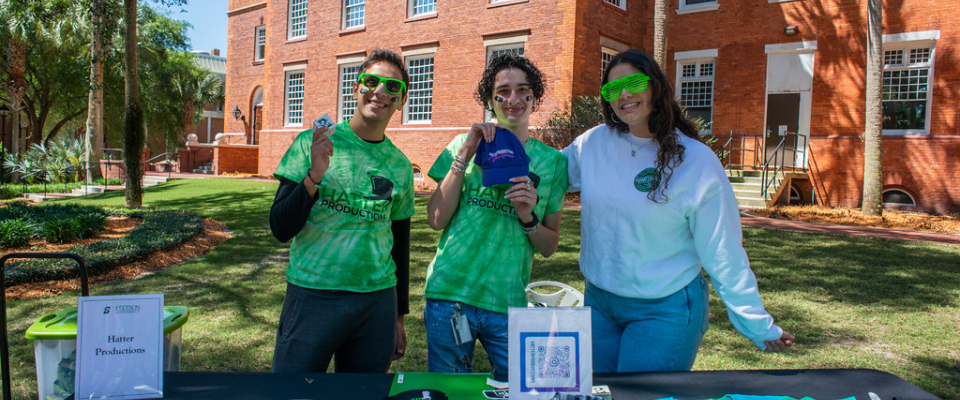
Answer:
(818, 384)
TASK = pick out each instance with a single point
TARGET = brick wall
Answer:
(923, 166)
(562, 38)
(234, 158)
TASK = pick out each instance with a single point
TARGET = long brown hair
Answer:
(665, 118)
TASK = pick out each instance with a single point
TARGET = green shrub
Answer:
(159, 230)
(60, 231)
(58, 223)
(15, 233)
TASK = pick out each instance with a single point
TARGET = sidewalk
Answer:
(895, 234)
(916, 236)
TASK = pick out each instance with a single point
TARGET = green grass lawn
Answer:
(851, 302)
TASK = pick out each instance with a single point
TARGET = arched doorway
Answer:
(256, 123)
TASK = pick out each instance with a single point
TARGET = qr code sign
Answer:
(552, 362)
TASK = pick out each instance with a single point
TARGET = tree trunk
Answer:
(16, 86)
(872, 136)
(133, 134)
(660, 33)
(93, 142)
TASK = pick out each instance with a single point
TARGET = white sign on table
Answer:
(550, 352)
(120, 347)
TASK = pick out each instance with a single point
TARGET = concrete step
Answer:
(39, 197)
(85, 190)
(751, 202)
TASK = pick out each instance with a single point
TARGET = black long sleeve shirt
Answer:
(289, 213)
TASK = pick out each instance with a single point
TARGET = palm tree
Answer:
(873, 146)
(660, 33)
(102, 23)
(18, 22)
(133, 133)
(197, 88)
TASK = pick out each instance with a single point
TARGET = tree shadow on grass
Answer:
(861, 271)
(943, 372)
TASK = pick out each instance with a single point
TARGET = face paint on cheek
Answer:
(364, 90)
(394, 99)
(499, 99)
(529, 98)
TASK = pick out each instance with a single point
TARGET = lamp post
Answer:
(4, 111)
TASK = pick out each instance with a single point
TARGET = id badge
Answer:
(461, 328)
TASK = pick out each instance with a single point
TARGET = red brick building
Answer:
(743, 66)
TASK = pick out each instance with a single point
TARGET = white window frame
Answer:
(412, 8)
(914, 199)
(348, 23)
(294, 31)
(346, 100)
(606, 55)
(697, 58)
(907, 42)
(260, 43)
(293, 104)
(621, 4)
(495, 46)
(685, 8)
(414, 92)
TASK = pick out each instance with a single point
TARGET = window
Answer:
(691, 6)
(419, 107)
(298, 19)
(294, 98)
(260, 51)
(899, 198)
(494, 51)
(421, 7)
(695, 79)
(606, 55)
(353, 13)
(348, 103)
(906, 89)
(619, 3)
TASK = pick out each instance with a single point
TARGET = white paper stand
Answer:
(550, 352)
(120, 347)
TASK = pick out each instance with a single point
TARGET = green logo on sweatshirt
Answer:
(647, 180)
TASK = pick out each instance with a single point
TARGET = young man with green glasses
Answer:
(346, 198)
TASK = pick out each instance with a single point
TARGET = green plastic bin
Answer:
(55, 348)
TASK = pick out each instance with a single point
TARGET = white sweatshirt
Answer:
(634, 247)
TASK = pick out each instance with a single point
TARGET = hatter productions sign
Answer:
(120, 347)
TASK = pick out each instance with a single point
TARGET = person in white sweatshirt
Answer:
(657, 210)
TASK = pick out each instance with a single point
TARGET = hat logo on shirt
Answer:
(647, 180)
(381, 189)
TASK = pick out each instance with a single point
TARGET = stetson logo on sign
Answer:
(647, 180)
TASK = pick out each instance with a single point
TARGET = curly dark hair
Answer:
(665, 118)
(509, 60)
(385, 56)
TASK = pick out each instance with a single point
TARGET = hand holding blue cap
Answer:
(502, 159)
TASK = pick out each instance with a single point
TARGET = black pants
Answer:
(315, 325)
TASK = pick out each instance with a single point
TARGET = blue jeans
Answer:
(639, 335)
(315, 325)
(444, 354)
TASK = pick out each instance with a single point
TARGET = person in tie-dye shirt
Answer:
(346, 198)
(490, 234)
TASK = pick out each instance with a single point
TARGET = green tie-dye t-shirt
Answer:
(346, 242)
(484, 258)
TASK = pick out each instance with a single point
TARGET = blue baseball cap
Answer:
(502, 159)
